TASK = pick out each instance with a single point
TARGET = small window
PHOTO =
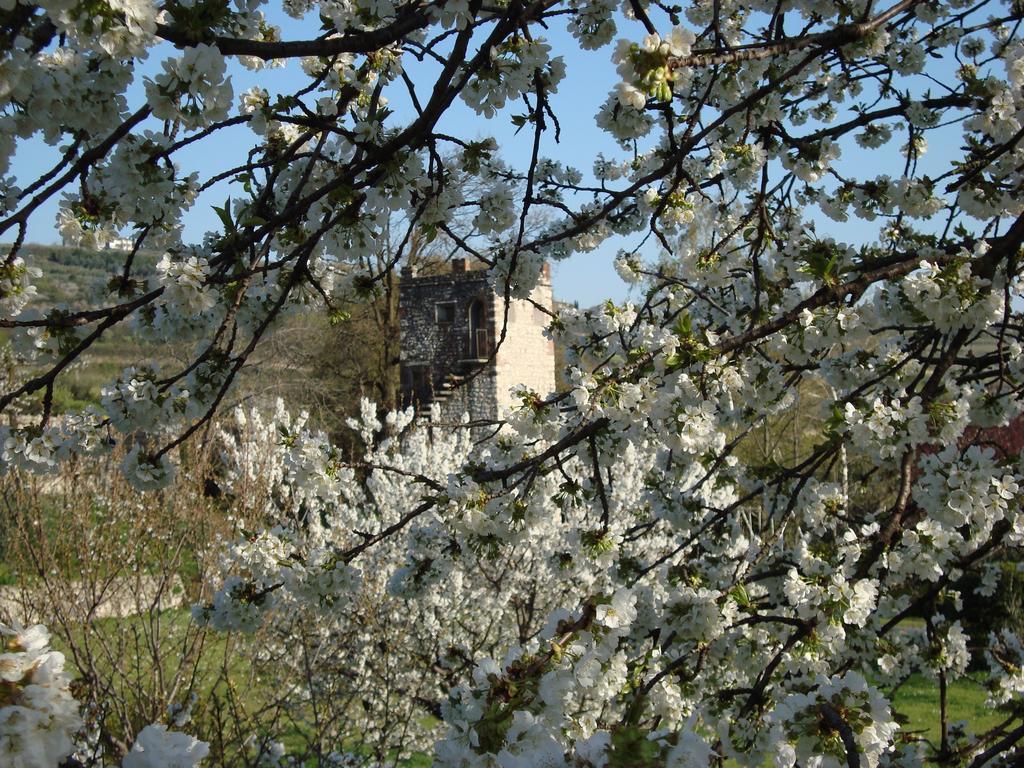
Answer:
(445, 312)
(419, 376)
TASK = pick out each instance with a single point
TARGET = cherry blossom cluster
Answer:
(39, 717)
(774, 476)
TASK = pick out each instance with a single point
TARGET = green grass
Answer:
(918, 699)
(6, 575)
(219, 656)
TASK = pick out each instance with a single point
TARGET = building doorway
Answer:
(478, 346)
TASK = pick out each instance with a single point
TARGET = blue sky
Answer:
(584, 278)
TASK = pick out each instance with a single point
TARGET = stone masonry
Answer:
(450, 328)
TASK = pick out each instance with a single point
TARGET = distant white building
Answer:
(119, 244)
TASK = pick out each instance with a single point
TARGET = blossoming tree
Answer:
(657, 596)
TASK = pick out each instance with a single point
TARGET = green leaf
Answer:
(224, 214)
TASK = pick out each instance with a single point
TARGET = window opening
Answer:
(444, 312)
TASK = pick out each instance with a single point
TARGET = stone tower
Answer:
(450, 324)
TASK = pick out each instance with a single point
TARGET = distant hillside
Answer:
(72, 274)
(313, 363)
(76, 277)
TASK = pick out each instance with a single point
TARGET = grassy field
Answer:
(918, 699)
(219, 673)
(221, 667)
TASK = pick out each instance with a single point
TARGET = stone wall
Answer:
(434, 349)
(445, 359)
(80, 602)
(478, 397)
(526, 357)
